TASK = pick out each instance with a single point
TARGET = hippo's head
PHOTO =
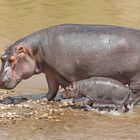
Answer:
(69, 91)
(17, 64)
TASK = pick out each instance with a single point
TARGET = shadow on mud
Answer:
(21, 98)
(24, 98)
(17, 99)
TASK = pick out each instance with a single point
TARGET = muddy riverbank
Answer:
(22, 119)
(20, 107)
(31, 117)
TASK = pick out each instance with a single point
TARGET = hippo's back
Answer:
(83, 51)
(100, 84)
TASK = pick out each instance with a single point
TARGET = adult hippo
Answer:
(72, 52)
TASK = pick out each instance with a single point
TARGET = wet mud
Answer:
(20, 107)
(32, 117)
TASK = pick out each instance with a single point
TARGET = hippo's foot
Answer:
(125, 108)
(67, 102)
(79, 102)
(130, 107)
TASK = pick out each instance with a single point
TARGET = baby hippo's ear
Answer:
(71, 87)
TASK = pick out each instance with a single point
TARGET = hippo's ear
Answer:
(21, 49)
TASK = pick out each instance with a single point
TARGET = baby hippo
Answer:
(101, 91)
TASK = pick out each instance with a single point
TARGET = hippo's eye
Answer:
(12, 59)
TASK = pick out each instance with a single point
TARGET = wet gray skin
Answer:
(68, 53)
(102, 91)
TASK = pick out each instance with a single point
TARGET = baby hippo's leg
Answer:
(127, 104)
(67, 102)
(83, 101)
(121, 108)
(76, 101)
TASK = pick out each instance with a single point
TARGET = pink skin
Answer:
(18, 66)
(23, 66)
(70, 92)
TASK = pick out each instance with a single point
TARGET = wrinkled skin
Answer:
(102, 91)
(68, 53)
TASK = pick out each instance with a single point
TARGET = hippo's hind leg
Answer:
(128, 104)
(121, 108)
(135, 88)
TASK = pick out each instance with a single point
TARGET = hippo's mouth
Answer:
(8, 82)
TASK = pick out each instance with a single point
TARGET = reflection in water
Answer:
(19, 18)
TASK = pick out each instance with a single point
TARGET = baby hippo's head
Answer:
(69, 92)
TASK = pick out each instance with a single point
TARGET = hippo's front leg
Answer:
(52, 85)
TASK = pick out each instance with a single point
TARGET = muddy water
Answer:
(19, 18)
